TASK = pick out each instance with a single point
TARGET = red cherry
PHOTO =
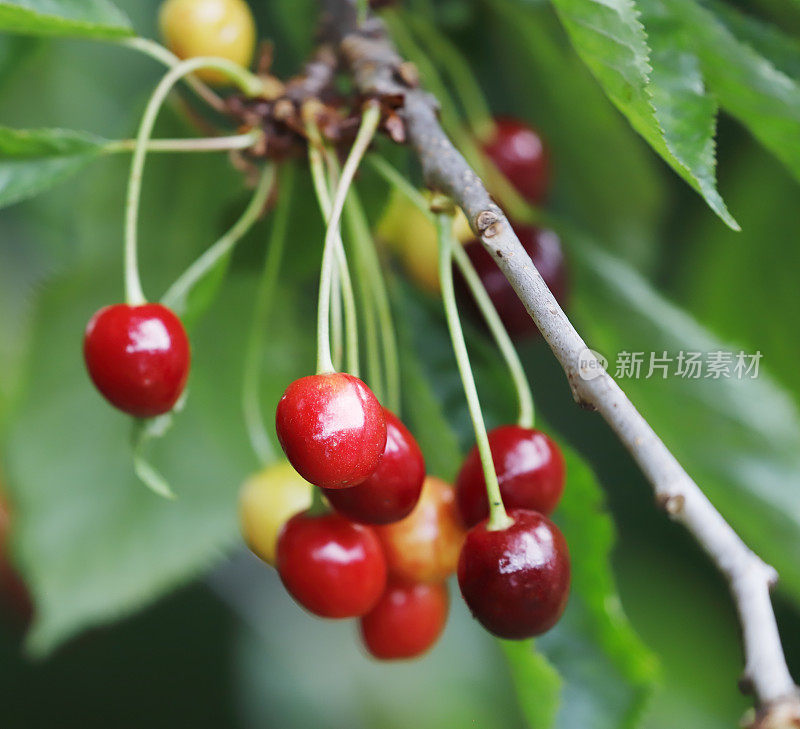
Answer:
(332, 429)
(424, 547)
(407, 621)
(138, 357)
(332, 567)
(529, 467)
(519, 153)
(544, 248)
(515, 580)
(393, 490)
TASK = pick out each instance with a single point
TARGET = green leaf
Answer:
(611, 40)
(746, 84)
(606, 671)
(86, 18)
(739, 438)
(93, 542)
(31, 161)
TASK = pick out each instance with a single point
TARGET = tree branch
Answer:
(379, 71)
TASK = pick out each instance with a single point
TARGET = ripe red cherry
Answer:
(407, 621)
(138, 357)
(529, 467)
(332, 429)
(515, 580)
(392, 491)
(14, 596)
(544, 248)
(332, 567)
(519, 153)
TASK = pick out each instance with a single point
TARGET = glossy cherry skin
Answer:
(516, 580)
(219, 28)
(519, 153)
(407, 621)
(138, 357)
(332, 429)
(331, 566)
(424, 546)
(393, 490)
(544, 248)
(530, 470)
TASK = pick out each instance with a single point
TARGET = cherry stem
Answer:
(247, 82)
(169, 59)
(337, 323)
(175, 296)
(202, 144)
(265, 296)
(498, 518)
(498, 330)
(343, 285)
(318, 504)
(487, 308)
(365, 245)
(369, 124)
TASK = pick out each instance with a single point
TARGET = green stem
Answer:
(504, 343)
(265, 296)
(498, 518)
(157, 52)
(337, 340)
(318, 504)
(358, 234)
(249, 83)
(202, 265)
(369, 124)
(448, 57)
(362, 10)
(324, 184)
(203, 144)
(364, 241)
(493, 321)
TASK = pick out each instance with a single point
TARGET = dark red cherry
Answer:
(529, 467)
(138, 357)
(519, 153)
(515, 580)
(14, 596)
(332, 429)
(393, 490)
(407, 621)
(332, 567)
(544, 248)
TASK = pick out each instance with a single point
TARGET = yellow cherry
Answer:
(268, 499)
(218, 28)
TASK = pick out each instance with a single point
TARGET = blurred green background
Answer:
(152, 613)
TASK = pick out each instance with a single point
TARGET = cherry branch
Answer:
(378, 71)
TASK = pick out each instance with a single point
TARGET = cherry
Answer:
(424, 546)
(407, 621)
(332, 429)
(331, 566)
(138, 357)
(266, 502)
(515, 580)
(544, 248)
(219, 28)
(519, 153)
(529, 467)
(392, 491)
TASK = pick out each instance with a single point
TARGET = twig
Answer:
(378, 71)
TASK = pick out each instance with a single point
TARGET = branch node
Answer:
(486, 224)
(671, 503)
